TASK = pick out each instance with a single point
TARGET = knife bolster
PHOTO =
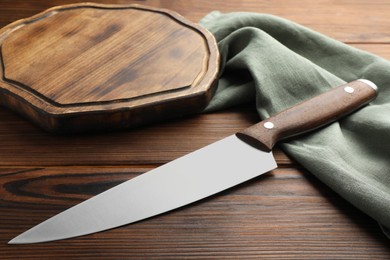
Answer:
(263, 141)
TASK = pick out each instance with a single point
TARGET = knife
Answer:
(207, 171)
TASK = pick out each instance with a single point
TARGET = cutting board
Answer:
(85, 67)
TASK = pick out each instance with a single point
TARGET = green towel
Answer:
(277, 63)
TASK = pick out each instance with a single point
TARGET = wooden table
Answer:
(286, 214)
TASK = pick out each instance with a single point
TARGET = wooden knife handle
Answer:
(310, 114)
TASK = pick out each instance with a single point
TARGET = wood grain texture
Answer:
(357, 21)
(258, 219)
(166, 141)
(286, 214)
(87, 67)
(310, 114)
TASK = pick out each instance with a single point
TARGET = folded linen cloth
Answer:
(278, 63)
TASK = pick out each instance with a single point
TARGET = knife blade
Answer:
(202, 173)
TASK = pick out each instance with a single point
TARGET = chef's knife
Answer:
(202, 173)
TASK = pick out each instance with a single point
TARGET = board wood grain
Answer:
(87, 67)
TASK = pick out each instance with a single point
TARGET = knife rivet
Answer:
(349, 89)
(268, 125)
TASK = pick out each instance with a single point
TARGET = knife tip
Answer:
(22, 239)
(14, 241)
(18, 241)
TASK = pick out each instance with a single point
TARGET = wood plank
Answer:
(279, 215)
(24, 144)
(382, 50)
(346, 20)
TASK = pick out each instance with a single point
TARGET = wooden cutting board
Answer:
(86, 67)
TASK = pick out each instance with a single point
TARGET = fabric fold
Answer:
(278, 63)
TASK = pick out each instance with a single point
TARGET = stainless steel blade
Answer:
(190, 178)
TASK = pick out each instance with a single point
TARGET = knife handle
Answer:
(310, 114)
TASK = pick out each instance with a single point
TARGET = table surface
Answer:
(285, 214)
